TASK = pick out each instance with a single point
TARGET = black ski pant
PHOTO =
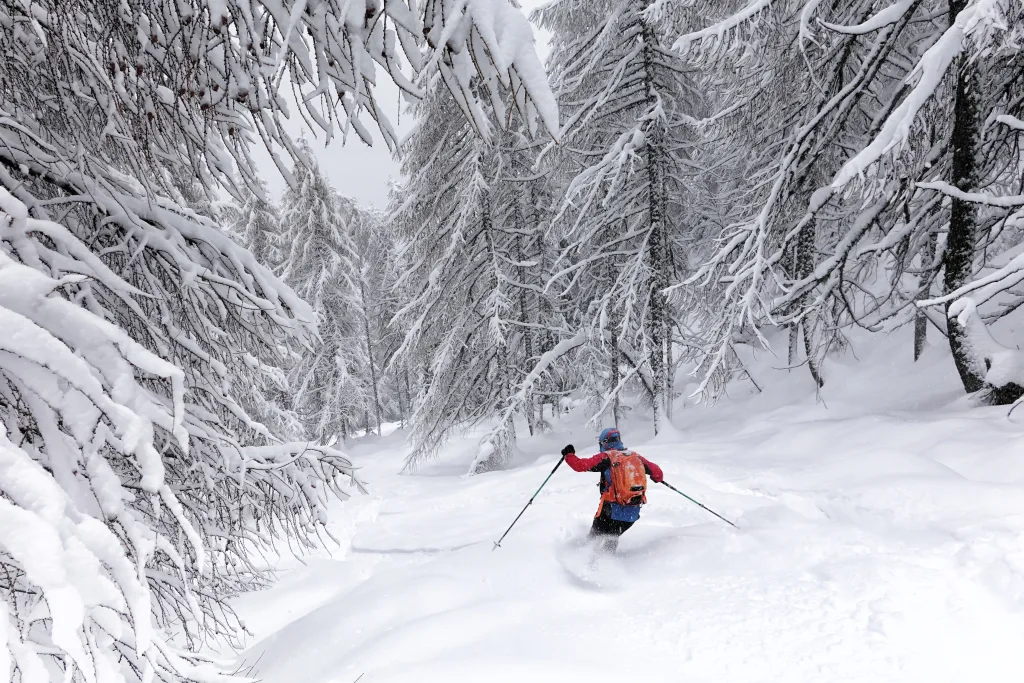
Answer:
(608, 530)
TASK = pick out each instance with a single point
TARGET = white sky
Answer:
(355, 169)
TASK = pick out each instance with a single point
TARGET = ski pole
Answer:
(497, 544)
(700, 504)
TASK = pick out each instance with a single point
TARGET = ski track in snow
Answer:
(873, 547)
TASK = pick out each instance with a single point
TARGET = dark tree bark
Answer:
(408, 392)
(544, 311)
(804, 265)
(369, 357)
(962, 238)
(526, 224)
(961, 241)
(920, 334)
(613, 382)
(794, 343)
(524, 312)
(920, 319)
(657, 245)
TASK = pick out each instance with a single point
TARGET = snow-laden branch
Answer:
(471, 317)
(978, 17)
(505, 423)
(884, 17)
(116, 392)
(1011, 121)
(72, 385)
(492, 41)
(719, 29)
(985, 288)
(1006, 201)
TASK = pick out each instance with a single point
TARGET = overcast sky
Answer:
(354, 168)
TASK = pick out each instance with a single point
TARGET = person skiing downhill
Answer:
(618, 510)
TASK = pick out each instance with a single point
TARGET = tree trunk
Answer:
(658, 315)
(657, 242)
(524, 313)
(920, 334)
(369, 356)
(501, 363)
(804, 262)
(669, 371)
(542, 340)
(401, 404)
(920, 319)
(408, 391)
(614, 374)
(788, 265)
(794, 341)
(809, 350)
(961, 241)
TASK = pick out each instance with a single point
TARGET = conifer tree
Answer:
(255, 223)
(878, 113)
(469, 321)
(628, 104)
(375, 253)
(321, 265)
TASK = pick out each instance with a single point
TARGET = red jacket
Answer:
(600, 462)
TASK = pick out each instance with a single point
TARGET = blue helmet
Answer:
(610, 438)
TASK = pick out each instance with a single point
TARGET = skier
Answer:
(623, 486)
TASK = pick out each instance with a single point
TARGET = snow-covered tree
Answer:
(626, 144)
(455, 321)
(470, 316)
(393, 292)
(119, 404)
(256, 224)
(849, 114)
(525, 195)
(137, 475)
(378, 303)
(320, 263)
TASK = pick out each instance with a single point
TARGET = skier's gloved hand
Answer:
(568, 449)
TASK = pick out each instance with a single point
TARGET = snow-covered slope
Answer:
(881, 540)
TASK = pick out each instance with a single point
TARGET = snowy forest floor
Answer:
(881, 539)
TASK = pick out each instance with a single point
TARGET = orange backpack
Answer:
(628, 479)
